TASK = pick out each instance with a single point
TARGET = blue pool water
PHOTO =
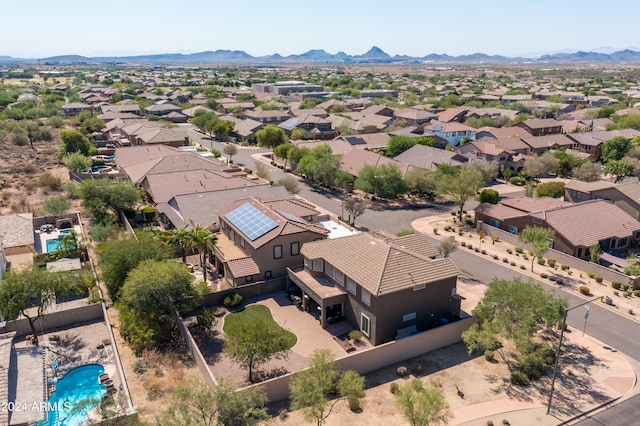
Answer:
(53, 245)
(97, 169)
(65, 231)
(76, 394)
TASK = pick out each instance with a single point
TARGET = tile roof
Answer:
(585, 224)
(528, 204)
(578, 185)
(505, 132)
(353, 161)
(243, 267)
(383, 266)
(631, 190)
(16, 230)
(548, 141)
(498, 211)
(427, 157)
(202, 207)
(540, 123)
(285, 226)
(164, 186)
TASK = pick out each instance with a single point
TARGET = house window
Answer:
(242, 242)
(277, 252)
(495, 223)
(339, 277)
(409, 317)
(295, 248)
(419, 287)
(364, 324)
(366, 297)
(329, 270)
(637, 236)
(248, 279)
(537, 220)
(513, 230)
(267, 274)
(351, 286)
(307, 263)
(318, 265)
(622, 242)
(579, 252)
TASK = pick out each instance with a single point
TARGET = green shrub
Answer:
(598, 279)
(483, 251)
(477, 250)
(591, 274)
(518, 378)
(219, 311)
(564, 266)
(509, 251)
(512, 263)
(394, 387)
(355, 335)
(584, 290)
(489, 355)
(543, 275)
(463, 244)
(625, 286)
(495, 256)
(615, 293)
(232, 300)
(525, 257)
(505, 260)
(141, 366)
(523, 267)
(551, 262)
(515, 180)
(550, 189)
(636, 293)
(490, 196)
(627, 293)
(401, 371)
(541, 261)
(519, 250)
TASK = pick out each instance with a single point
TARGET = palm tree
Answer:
(201, 238)
(181, 238)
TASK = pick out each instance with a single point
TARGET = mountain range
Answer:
(375, 55)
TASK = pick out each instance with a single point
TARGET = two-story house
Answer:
(540, 126)
(453, 132)
(388, 287)
(258, 239)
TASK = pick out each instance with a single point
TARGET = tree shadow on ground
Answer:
(262, 375)
(210, 344)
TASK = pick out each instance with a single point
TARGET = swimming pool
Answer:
(54, 244)
(98, 169)
(76, 394)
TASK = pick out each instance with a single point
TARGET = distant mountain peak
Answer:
(375, 53)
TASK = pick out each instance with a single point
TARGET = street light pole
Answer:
(555, 368)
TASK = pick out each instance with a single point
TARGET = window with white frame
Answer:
(365, 324)
(339, 277)
(242, 242)
(307, 263)
(351, 286)
(365, 295)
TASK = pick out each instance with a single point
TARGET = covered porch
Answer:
(318, 296)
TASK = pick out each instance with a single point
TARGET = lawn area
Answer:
(237, 320)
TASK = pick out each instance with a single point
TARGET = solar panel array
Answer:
(251, 221)
(291, 217)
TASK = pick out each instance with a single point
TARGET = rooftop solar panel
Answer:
(290, 216)
(251, 221)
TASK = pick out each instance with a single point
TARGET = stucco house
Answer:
(388, 287)
(259, 239)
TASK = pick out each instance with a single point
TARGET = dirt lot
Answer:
(21, 168)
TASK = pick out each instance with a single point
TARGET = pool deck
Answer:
(42, 237)
(72, 347)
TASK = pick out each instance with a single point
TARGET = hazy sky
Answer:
(41, 28)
